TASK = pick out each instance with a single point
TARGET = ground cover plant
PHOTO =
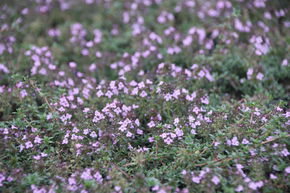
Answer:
(144, 96)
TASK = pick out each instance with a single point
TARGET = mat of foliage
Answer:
(143, 96)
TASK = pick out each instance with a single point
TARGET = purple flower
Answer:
(285, 152)
(151, 124)
(239, 188)
(168, 140)
(196, 179)
(179, 132)
(215, 180)
(245, 141)
(287, 170)
(86, 175)
(37, 140)
(28, 144)
(98, 177)
(23, 93)
(256, 185)
(235, 141)
(273, 177)
(260, 76)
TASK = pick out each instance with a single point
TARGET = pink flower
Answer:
(28, 144)
(285, 62)
(117, 188)
(256, 185)
(99, 93)
(86, 175)
(71, 181)
(179, 132)
(49, 116)
(37, 140)
(287, 170)
(235, 141)
(285, 152)
(54, 32)
(137, 122)
(155, 188)
(176, 121)
(37, 157)
(168, 140)
(187, 41)
(139, 132)
(260, 76)
(215, 180)
(193, 132)
(143, 94)
(43, 154)
(151, 124)
(98, 177)
(168, 97)
(2, 178)
(229, 142)
(98, 116)
(65, 141)
(151, 139)
(273, 177)
(3, 68)
(129, 134)
(239, 188)
(23, 93)
(93, 134)
(183, 172)
(196, 179)
(63, 102)
(250, 73)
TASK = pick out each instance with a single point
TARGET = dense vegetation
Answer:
(144, 96)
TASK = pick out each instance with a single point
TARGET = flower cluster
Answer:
(144, 96)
